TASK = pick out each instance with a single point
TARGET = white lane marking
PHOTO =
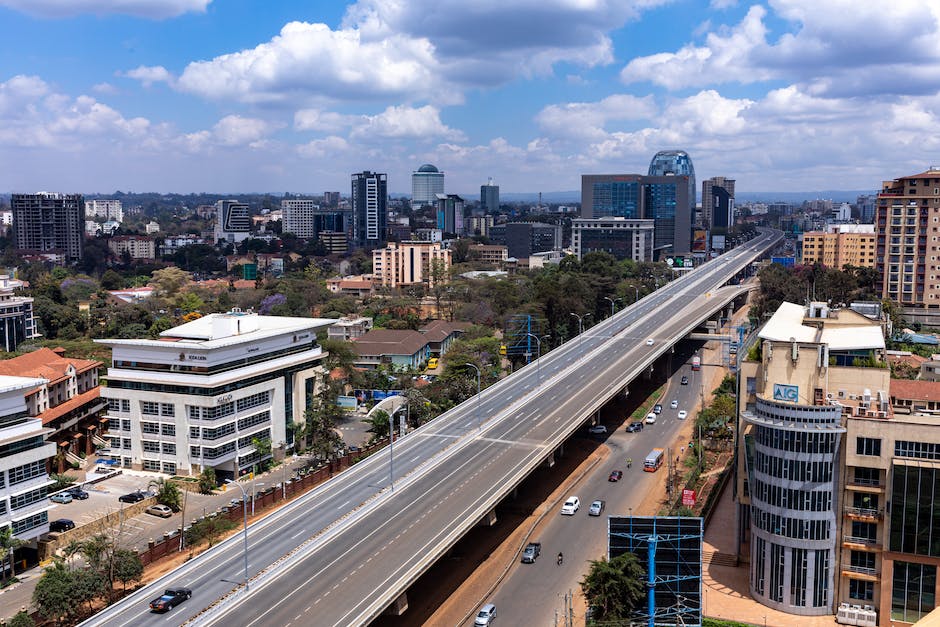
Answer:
(298, 534)
(345, 504)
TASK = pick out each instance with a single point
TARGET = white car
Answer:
(650, 418)
(682, 414)
(674, 404)
(649, 342)
(597, 430)
(572, 505)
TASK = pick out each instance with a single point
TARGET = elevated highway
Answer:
(344, 553)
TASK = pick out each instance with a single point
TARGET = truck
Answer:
(696, 363)
(531, 552)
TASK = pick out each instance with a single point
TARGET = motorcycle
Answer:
(560, 558)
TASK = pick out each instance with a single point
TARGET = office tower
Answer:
(426, 183)
(46, 222)
(369, 201)
(663, 199)
(708, 198)
(297, 214)
(841, 245)
(331, 199)
(450, 210)
(675, 163)
(523, 239)
(489, 197)
(621, 237)
(721, 214)
(107, 209)
(908, 211)
(866, 207)
(232, 222)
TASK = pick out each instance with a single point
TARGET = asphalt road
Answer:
(355, 541)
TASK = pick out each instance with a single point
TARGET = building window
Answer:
(125, 405)
(149, 428)
(125, 425)
(169, 468)
(30, 522)
(169, 448)
(868, 446)
(150, 447)
(821, 581)
(167, 409)
(152, 465)
(194, 433)
(861, 590)
(914, 526)
(114, 424)
(149, 408)
(912, 591)
(28, 498)
(27, 472)
(168, 429)
(798, 577)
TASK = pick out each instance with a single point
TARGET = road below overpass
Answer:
(341, 554)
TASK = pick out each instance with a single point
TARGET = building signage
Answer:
(196, 357)
(688, 497)
(788, 393)
(223, 399)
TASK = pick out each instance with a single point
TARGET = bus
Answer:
(654, 460)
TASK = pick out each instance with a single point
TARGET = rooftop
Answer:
(788, 324)
(44, 363)
(10, 383)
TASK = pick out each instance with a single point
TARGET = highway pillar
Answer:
(488, 520)
(398, 607)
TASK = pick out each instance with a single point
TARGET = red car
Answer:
(616, 475)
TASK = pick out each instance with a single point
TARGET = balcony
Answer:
(864, 513)
(860, 543)
(872, 486)
(860, 572)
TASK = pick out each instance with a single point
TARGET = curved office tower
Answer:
(793, 492)
(426, 183)
(675, 162)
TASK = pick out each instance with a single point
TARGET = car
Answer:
(572, 505)
(596, 508)
(531, 552)
(61, 497)
(486, 615)
(615, 475)
(684, 380)
(597, 430)
(77, 493)
(60, 525)
(132, 497)
(682, 414)
(649, 342)
(432, 363)
(651, 418)
(633, 427)
(170, 598)
(657, 409)
(674, 404)
(159, 510)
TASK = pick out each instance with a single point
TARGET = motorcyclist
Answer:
(560, 558)
(629, 462)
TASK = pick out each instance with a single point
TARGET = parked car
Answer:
(572, 505)
(531, 552)
(61, 497)
(486, 615)
(657, 408)
(171, 598)
(633, 427)
(597, 430)
(133, 497)
(684, 380)
(674, 404)
(60, 525)
(616, 475)
(162, 511)
(77, 493)
(596, 508)
(682, 414)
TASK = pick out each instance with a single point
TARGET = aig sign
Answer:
(788, 393)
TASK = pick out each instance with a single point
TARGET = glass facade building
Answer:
(674, 163)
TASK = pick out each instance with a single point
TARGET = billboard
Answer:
(718, 242)
(786, 262)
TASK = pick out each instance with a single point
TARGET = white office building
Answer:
(232, 222)
(201, 395)
(426, 183)
(107, 209)
(298, 216)
(24, 482)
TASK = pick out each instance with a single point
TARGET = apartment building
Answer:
(206, 390)
(841, 245)
(49, 223)
(17, 322)
(136, 246)
(107, 209)
(492, 254)
(410, 263)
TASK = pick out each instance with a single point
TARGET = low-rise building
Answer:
(492, 254)
(17, 322)
(359, 286)
(349, 328)
(624, 238)
(391, 348)
(135, 246)
(173, 243)
(440, 334)
(205, 392)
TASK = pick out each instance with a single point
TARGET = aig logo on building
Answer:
(788, 393)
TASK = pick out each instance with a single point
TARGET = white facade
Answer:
(24, 500)
(17, 322)
(107, 209)
(298, 216)
(232, 222)
(426, 183)
(202, 393)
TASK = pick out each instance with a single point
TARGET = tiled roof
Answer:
(45, 363)
(439, 330)
(915, 390)
(73, 403)
(389, 342)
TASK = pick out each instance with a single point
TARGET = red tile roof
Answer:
(907, 389)
(73, 403)
(45, 363)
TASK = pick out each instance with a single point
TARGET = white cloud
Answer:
(406, 123)
(320, 120)
(588, 119)
(104, 88)
(155, 9)
(235, 130)
(327, 148)
(148, 75)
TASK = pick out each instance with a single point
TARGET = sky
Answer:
(228, 96)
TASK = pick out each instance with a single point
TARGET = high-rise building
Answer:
(663, 199)
(841, 245)
(107, 209)
(297, 214)
(908, 211)
(24, 482)
(410, 263)
(426, 183)
(675, 163)
(489, 197)
(232, 222)
(708, 197)
(49, 222)
(621, 237)
(450, 210)
(866, 207)
(721, 214)
(331, 199)
(524, 239)
(369, 201)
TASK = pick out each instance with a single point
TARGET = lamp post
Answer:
(245, 518)
(580, 327)
(636, 293)
(612, 301)
(538, 359)
(391, 453)
(479, 398)
(261, 485)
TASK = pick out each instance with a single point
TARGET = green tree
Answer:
(169, 281)
(8, 545)
(21, 619)
(168, 493)
(111, 280)
(378, 425)
(127, 567)
(207, 481)
(208, 529)
(59, 593)
(615, 588)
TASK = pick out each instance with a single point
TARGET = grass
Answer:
(647, 406)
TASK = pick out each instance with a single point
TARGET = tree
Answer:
(8, 545)
(168, 493)
(379, 425)
(169, 281)
(207, 480)
(127, 567)
(21, 619)
(615, 588)
(208, 529)
(53, 593)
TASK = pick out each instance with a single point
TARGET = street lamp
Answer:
(245, 518)
(479, 398)
(538, 359)
(260, 485)
(612, 301)
(636, 293)
(580, 326)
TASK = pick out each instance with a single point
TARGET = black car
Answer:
(133, 497)
(684, 381)
(60, 525)
(77, 493)
(633, 427)
(171, 598)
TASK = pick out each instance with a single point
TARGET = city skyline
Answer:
(195, 95)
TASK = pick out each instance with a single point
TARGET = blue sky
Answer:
(293, 96)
